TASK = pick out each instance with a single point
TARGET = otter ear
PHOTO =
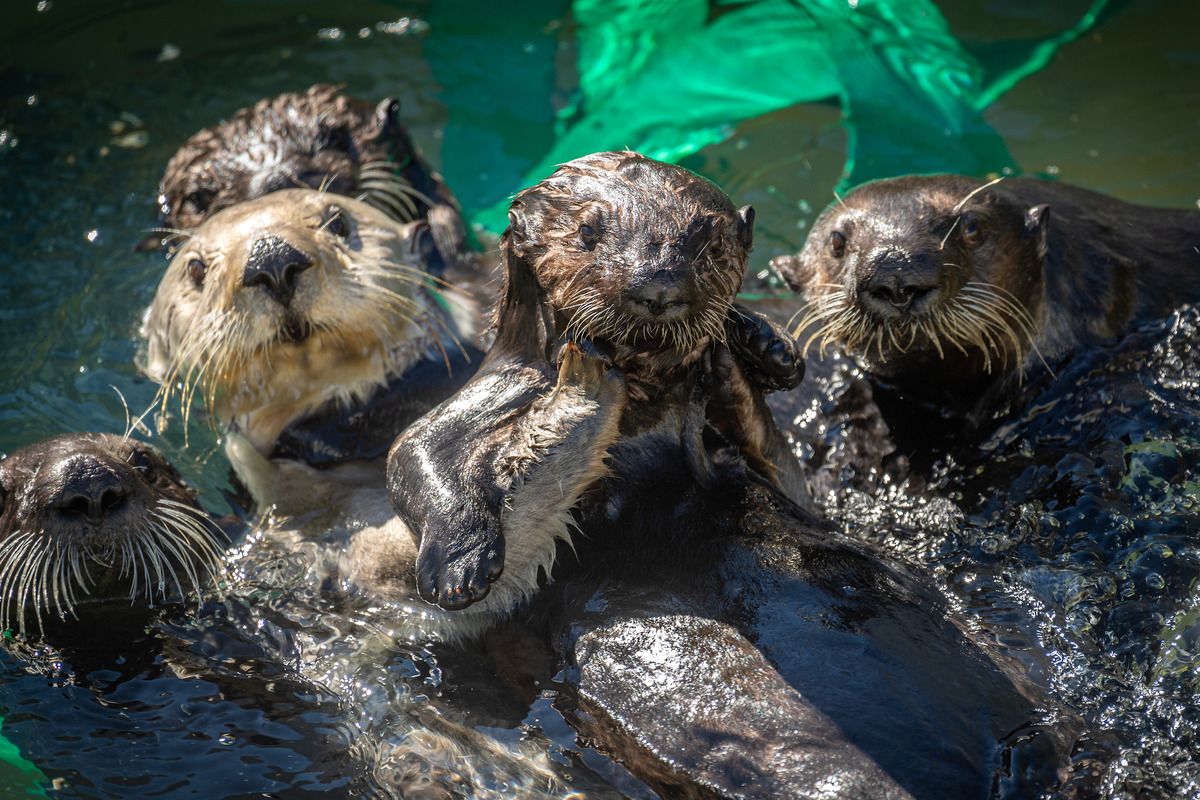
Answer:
(1036, 217)
(425, 246)
(746, 226)
(1037, 220)
(387, 114)
(516, 232)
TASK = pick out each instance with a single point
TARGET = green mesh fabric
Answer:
(18, 777)
(669, 77)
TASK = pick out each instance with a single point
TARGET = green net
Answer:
(669, 77)
(18, 777)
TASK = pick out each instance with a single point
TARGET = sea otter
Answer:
(952, 289)
(299, 303)
(549, 429)
(90, 520)
(640, 261)
(316, 139)
(643, 259)
(720, 641)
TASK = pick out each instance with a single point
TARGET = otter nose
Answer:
(90, 489)
(275, 265)
(662, 292)
(897, 287)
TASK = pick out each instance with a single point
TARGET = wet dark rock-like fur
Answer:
(318, 139)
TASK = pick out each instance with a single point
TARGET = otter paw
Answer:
(456, 575)
(768, 355)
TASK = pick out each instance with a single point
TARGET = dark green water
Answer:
(1118, 111)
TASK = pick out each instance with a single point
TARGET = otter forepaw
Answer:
(588, 349)
(769, 356)
(456, 574)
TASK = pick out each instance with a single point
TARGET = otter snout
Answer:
(663, 293)
(895, 284)
(90, 488)
(275, 265)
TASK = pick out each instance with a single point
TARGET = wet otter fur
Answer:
(89, 521)
(639, 261)
(317, 139)
(643, 259)
(721, 642)
(299, 302)
(953, 290)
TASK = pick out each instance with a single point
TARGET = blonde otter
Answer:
(277, 307)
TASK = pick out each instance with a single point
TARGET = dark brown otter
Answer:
(92, 518)
(641, 260)
(318, 139)
(644, 259)
(724, 644)
(952, 289)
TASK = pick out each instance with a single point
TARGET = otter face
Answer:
(632, 251)
(919, 268)
(87, 518)
(318, 139)
(277, 305)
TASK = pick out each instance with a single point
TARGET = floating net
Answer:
(669, 77)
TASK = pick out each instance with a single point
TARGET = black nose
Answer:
(663, 291)
(90, 488)
(275, 265)
(896, 287)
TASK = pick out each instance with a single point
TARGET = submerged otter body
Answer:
(95, 520)
(951, 290)
(300, 304)
(317, 139)
(722, 642)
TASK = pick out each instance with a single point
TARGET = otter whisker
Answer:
(958, 206)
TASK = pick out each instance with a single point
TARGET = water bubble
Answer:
(364, 33)
(169, 52)
(226, 738)
(32, 100)
(92, 235)
(403, 26)
(1154, 582)
(330, 34)
(44, 5)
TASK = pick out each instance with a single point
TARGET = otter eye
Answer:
(588, 234)
(335, 138)
(144, 464)
(196, 270)
(336, 223)
(197, 202)
(972, 234)
(837, 244)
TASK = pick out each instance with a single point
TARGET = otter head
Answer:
(631, 251)
(317, 139)
(278, 305)
(916, 271)
(88, 518)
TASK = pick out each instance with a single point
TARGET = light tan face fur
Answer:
(357, 315)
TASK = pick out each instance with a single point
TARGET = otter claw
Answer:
(768, 355)
(455, 580)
